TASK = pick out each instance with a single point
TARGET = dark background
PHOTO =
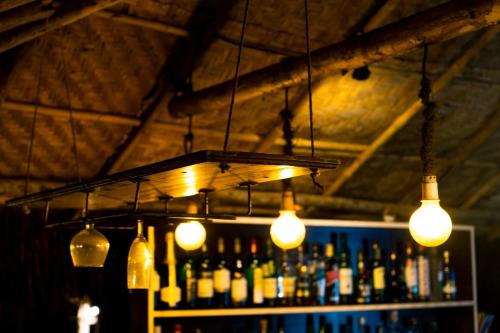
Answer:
(41, 289)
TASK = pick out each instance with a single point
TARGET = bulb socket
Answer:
(287, 201)
(430, 188)
(192, 208)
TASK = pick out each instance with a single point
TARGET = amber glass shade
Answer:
(89, 248)
(139, 262)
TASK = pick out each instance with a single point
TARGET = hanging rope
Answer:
(33, 124)
(189, 136)
(236, 75)
(309, 78)
(427, 154)
(71, 120)
(286, 116)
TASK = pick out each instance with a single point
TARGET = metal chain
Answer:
(236, 75)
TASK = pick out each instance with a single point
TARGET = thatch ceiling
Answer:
(110, 68)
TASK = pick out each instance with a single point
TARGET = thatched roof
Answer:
(109, 67)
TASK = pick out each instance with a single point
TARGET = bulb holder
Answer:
(430, 188)
(287, 202)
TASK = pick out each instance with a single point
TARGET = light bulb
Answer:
(190, 235)
(288, 231)
(430, 225)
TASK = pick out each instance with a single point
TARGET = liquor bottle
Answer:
(436, 273)
(255, 277)
(322, 324)
(424, 278)
(378, 273)
(349, 325)
(329, 328)
(393, 325)
(411, 326)
(318, 279)
(178, 328)
(286, 281)
(281, 325)
(345, 272)
(222, 277)
(310, 324)
(362, 327)
(270, 276)
(411, 274)
(332, 276)
(303, 287)
(264, 325)
(205, 282)
(449, 283)
(396, 289)
(239, 290)
(188, 282)
(363, 283)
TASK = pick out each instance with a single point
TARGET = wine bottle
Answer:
(310, 324)
(264, 325)
(222, 277)
(255, 277)
(281, 325)
(393, 325)
(270, 276)
(188, 282)
(363, 283)
(286, 281)
(332, 276)
(318, 279)
(303, 288)
(205, 282)
(239, 290)
(345, 272)
(424, 278)
(378, 271)
(322, 324)
(396, 286)
(362, 327)
(411, 274)
(178, 328)
(449, 284)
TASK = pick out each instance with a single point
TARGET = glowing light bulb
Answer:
(430, 225)
(288, 231)
(190, 235)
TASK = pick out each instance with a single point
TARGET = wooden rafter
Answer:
(12, 66)
(434, 25)
(485, 188)
(300, 107)
(11, 4)
(56, 21)
(23, 15)
(439, 84)
(176, 71)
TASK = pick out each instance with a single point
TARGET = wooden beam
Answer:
(441, 82)
(434, 25)
(323, 85)
(23, 15)
(143, 23)
(485, 188)
(119, 119)
(57, 21)
(207, 18)
(11, 65)
(11, 4)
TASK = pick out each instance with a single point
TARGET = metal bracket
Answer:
(248, 185)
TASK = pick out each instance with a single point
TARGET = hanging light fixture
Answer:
(89, 247)
(430, 225)
(288, 231)
(190, 235)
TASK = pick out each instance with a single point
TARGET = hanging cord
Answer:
(314, 171)
(286, 117)
(189, 136)
(236, 74)
(427, 150)
(33, 124)
(71, 120)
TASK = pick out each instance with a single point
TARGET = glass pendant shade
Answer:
(139, 261)
(190, 235)
(288, 231)
(430, 225)
(89, 248)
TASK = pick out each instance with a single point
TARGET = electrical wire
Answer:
(236, 75)
(427, 154)
(309, 77)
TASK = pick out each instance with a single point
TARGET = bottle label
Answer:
(320, 287)
(270, 288)
(239, 290)
(258, 286)
(424, 281)
(190, 289)
(365, 290)
(332, 277)
(379, 278)
(222, 280)
(288, 286)
(411, 273)
(205, 288)
(345, 281)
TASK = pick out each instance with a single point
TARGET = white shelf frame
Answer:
(251, 220)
